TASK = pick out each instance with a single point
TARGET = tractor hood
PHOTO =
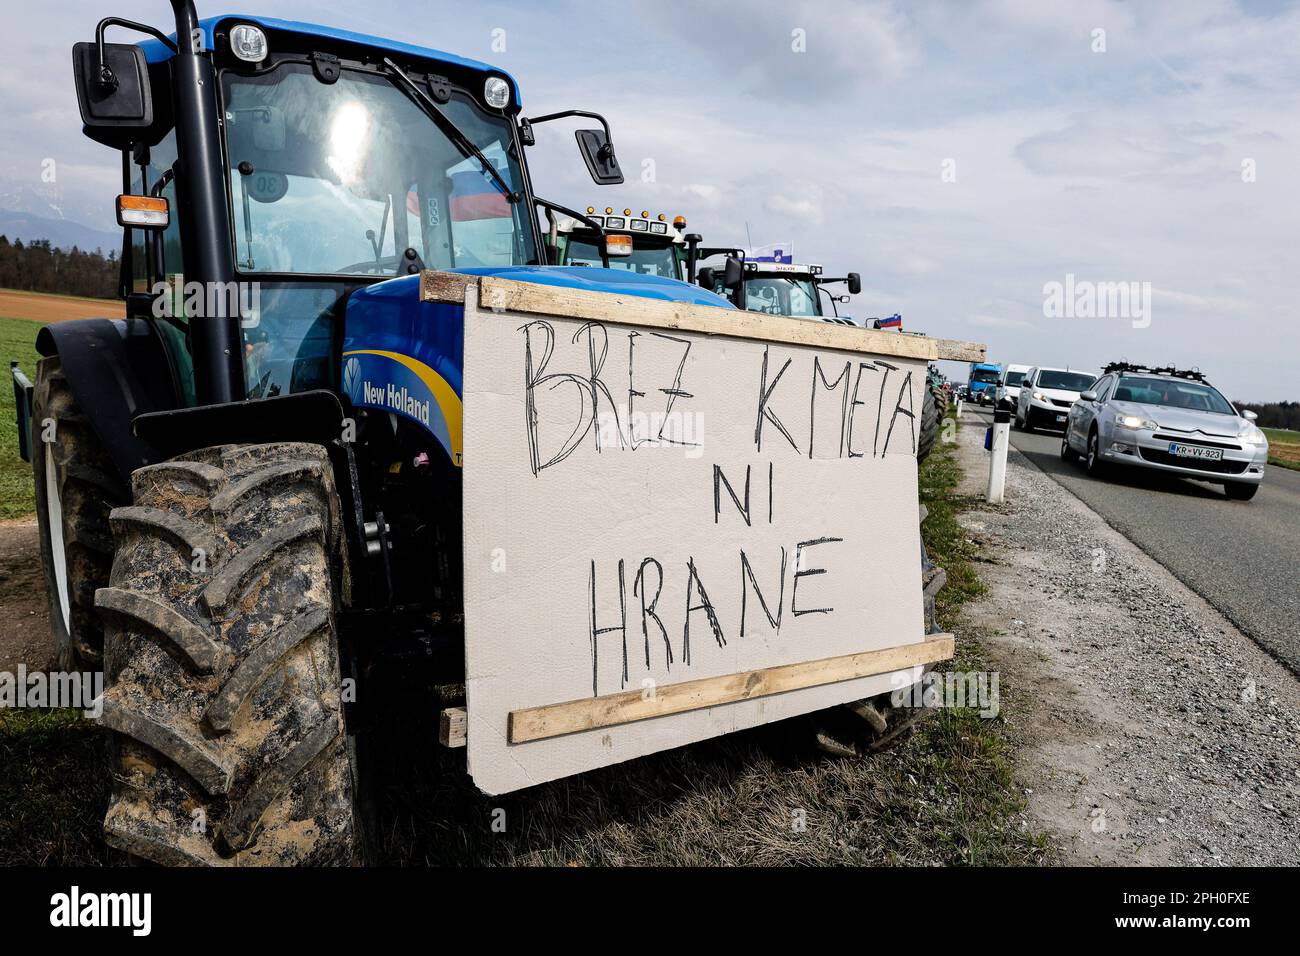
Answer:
(405, 356)
(617, 281)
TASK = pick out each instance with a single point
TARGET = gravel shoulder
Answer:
(1152, 731)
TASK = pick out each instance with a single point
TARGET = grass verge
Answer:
(54, 780)
(1283, 447)
(17, 342)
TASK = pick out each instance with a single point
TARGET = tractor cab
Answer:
(779, 288)
(621, 241)
(316, 162)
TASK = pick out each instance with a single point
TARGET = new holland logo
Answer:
(352, 378)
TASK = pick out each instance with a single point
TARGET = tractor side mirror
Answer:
(598, 153)
(114, 96)
(707, 279)
(855, 283)
(732, 273)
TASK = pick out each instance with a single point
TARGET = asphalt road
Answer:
(1241, 556)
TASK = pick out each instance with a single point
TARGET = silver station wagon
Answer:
(1167, 420)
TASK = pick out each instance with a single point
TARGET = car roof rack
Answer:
(1195, 375)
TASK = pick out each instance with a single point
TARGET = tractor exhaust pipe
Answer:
(204, 220)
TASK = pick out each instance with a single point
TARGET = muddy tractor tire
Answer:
(223, 678)
(928, 432)
(77, 485)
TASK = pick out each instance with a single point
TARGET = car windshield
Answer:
(1172, 392)
(1014, 378)
(1066, 381)
(649, 260)
(984, 375)
(343, 178)
(779, 295)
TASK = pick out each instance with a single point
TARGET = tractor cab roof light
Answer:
(248, 43)
(618, 245)
(143, 212)
(659, 228)
(496, 92)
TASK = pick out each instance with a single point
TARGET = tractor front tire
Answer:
(223, 677)
(77, 485)
(930, 420)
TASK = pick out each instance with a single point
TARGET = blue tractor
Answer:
(249, 488)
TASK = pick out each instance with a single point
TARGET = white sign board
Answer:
(649, 506)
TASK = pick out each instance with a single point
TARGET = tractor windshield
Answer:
(648, 260)
(342, 178)
(779, 295)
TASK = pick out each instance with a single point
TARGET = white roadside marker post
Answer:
(998, 456)
(959, 409)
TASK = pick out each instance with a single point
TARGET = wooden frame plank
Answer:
(955, 350)
(510, 295)
(444, 286)
(453, 727)
(555, 720)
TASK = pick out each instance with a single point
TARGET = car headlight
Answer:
(1038, 397)
(1135, 421)
(1255, 437)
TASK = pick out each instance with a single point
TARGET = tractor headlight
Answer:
(248, 43)
(1135, 421)
(496, 92)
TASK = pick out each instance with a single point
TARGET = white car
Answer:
(1047, 395)
(1008, 393)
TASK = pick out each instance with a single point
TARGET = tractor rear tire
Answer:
(77, 485)
(223, 676)
(929, 430)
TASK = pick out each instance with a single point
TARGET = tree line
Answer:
(37, 266)
(1275, 414)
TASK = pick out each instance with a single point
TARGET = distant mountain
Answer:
(63, 233)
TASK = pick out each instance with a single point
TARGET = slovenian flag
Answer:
(776, 252)
(474, 196)
(894, 321)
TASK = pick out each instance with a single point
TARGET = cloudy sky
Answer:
(961, 156)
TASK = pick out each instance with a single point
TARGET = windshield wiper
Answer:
(449, 128)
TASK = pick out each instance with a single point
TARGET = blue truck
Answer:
(983, 383)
